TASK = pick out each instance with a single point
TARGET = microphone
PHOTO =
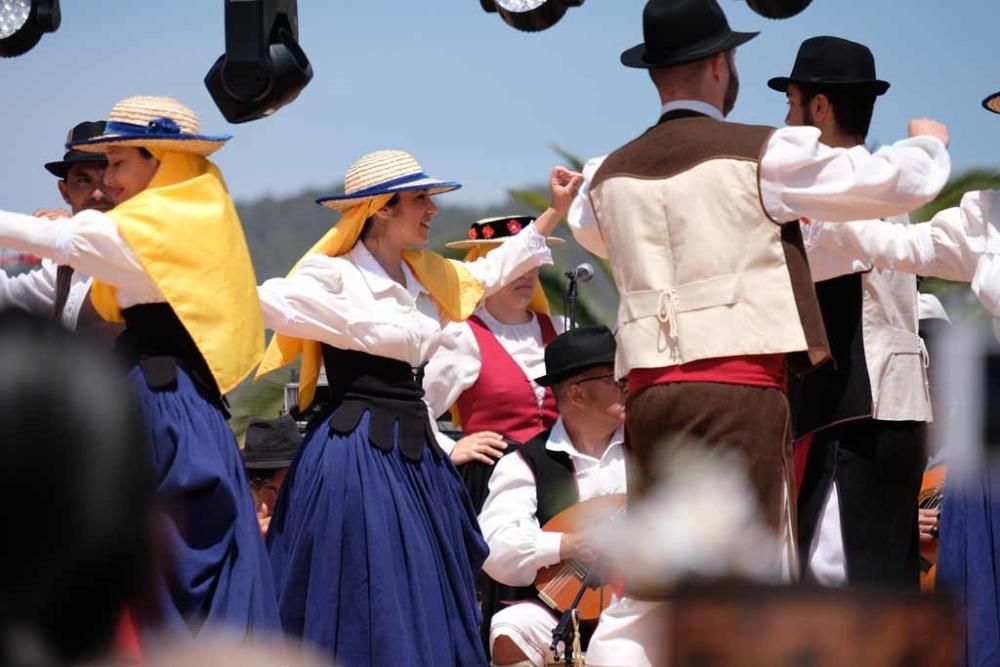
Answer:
(582, 273)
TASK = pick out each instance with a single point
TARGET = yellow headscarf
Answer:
(185, 230)
(454, 289)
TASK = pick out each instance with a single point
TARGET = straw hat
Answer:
(384, 172)
(992, 103)
(153, 122)
(489, 231)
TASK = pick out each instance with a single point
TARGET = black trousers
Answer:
(878, 467)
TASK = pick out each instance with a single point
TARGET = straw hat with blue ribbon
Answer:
(384, 173)
(153, 122)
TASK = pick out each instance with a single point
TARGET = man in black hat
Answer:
(716, 294)
(582, 456)
(269, 448)
(59, 292)
(867, 409)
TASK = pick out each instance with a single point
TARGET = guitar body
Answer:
(558, 584)
(930, 498)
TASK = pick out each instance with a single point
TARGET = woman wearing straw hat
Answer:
(374, 543)
(170, 259)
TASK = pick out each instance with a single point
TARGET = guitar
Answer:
(930, 497)
(558, 584)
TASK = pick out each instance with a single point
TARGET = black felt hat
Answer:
(271, 443)
(81, 132)
(575, 351)
(992, 103)
(832, 61)
(682, 31)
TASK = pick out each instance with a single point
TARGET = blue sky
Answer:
(473, 99)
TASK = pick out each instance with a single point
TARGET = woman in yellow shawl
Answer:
(170, 259)
(374, 543)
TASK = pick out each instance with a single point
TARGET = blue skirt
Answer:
(968, 563)
(217, 574)
(375, 554)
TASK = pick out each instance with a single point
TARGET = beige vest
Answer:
(702, 270)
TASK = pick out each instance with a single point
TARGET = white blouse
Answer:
(350, 301)
(35, 292)
(90, 243)
(518, 545)
(456, 365)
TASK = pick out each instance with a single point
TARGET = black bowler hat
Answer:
(832, 61)
(575, 351)
(271, 443)
(682, 31)
(82, 132)
(992, 103)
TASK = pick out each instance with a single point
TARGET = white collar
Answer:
(559, 441)
(376, 277)
(692, 105)
(494, 325)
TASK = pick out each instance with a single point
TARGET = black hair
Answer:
(144, 152)
(368, 223)
(852, 105)
(80, 493)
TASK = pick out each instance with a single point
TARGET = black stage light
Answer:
(778, 9)
(530, 15)
(264, 68)
(23, 22)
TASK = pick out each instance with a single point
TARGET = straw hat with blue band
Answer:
(381, 173)
(153, 122)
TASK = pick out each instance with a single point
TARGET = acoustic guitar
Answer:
(931, 494)
(558, 584)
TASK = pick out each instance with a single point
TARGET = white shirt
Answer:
(90, 243)
(456, 364)
(518, 545)
(350, 301)
(35, 292)
(802, 177)
(960, 243)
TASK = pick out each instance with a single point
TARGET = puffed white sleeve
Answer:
(327, 301)
(948, 246)
(453, 368)
(581, 217)
(89, 242)
(986, 280)
(802, 177)
(518, 545)
(520, 253)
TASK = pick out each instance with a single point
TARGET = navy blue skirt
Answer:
(217, 574)
(375, 554)
(968, 563)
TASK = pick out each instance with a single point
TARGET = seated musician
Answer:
(580, 457)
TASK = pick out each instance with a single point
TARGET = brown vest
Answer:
(703, 271)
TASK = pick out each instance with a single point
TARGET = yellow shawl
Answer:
(454, 289)
(185, 230)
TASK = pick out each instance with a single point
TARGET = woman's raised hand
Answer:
(563, 185)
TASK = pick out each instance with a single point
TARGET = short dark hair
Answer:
(852, 105)
(143, 151)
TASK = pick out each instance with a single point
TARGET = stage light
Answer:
(23, 22)
(264, 68)
(778, 9)
(529, 15)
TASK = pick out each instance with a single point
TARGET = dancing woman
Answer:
(170, 259)
(374, 543)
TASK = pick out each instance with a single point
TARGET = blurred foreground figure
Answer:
(77, 541)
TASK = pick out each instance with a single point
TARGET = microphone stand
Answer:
(565, 630)
(569, 302)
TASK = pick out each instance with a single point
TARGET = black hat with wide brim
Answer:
(992, 103)
(81, 132)
(575, 351)
(271, 443)
(682, 31)
(832, 61)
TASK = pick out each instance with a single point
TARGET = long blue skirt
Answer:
(968, 563)
(217, 574)
(374, 555)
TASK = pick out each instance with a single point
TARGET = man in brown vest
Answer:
(716, 294)
(57, 291)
